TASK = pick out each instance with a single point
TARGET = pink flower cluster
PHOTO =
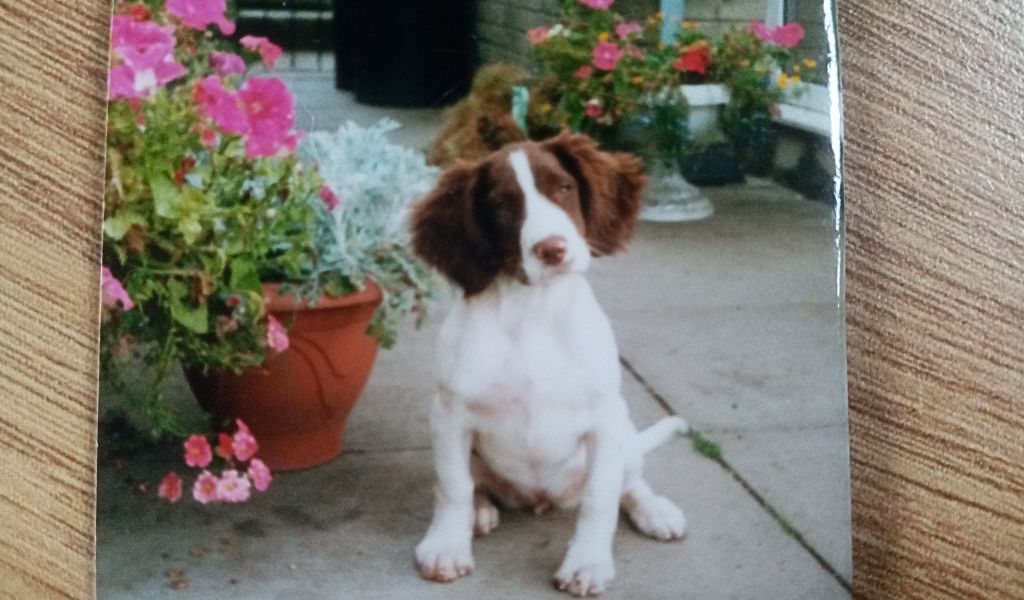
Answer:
(232, 485)
(624, 30)
(787, 36)
(538, 35)
(262, 111)
(145, 53)
(598, 4)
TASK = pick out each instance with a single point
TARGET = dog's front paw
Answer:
(585, 573)
(659, 518)
(443, 559)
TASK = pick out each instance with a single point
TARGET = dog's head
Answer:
(531, 211)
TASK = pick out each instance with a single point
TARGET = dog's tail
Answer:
(660, 432)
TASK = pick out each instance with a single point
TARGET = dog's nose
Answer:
(551, 250)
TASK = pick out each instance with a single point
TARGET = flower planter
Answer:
(704, 101)
(298, 401)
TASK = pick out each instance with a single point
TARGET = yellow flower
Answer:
(796, 68)
(795, 79)
(783, 81)
(603, 36)
(689, 25)
(810, 63)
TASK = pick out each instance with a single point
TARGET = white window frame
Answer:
(812, 110)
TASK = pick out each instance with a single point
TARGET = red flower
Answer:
(224, 446)
(584, 71)
(170, 487)
(329, 198)
(593, 109)
(694, 61)
(197, 451)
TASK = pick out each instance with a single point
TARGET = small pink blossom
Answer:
(197, 451)
(227, 63)
(232, 487)
(584, 72)
(244, 445)
(598, 4)
(198, 14)
(205, 488)
(170, 487)
(607, 56)
(220, 105)
(269, 52)
(789, 35)
(277, 337)
(113, 292)
(270, 111)
(329, 198)
(593, 109)
(146, 54)
(624, 30)
(538, 35)
(260, 474)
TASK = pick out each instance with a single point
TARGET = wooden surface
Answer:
(935, 196)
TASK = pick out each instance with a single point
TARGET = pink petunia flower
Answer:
(198, 14)
(607, 56)
(593, 109)
(220, 105)
(598, 4)
(227, 63)
(762, 31)
(260, 474)
(113, 292)
(329, 198)
(225, 447)
(205, 488)
(538, 35)
(233, 487)
(270, 111)
(197, 451)
(277, 337)
(269, 52)
(170, 487)
(146, 54)
(624, 30)
(244, 445)
(789, 35)
(583, 72)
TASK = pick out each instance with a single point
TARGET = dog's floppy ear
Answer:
(446, 232)
(611, 188)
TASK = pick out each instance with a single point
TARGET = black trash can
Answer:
(407, 53)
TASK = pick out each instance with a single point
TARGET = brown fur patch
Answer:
(611, 188)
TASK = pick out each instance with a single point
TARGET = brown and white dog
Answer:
(529, 409)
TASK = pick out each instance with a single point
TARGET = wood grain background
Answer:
(935, 217)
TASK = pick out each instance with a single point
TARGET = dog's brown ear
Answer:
(446, 233)
(611, 188)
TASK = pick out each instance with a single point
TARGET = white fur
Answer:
(529, 379)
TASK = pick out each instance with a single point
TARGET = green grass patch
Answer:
(705, 447)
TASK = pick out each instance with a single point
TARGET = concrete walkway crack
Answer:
(772, 512)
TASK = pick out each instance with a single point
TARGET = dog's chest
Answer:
(529, 370)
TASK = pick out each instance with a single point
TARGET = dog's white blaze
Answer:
(545, 219)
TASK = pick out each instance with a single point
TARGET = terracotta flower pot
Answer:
(298, 401)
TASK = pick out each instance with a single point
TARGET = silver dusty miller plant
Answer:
(366, 235)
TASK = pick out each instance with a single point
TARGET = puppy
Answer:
(529, 409)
